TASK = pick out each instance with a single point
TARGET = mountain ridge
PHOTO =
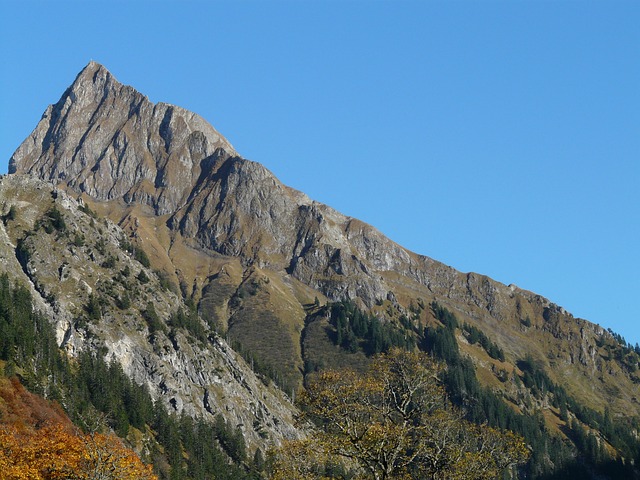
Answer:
(235, 207)
(136, 187)
(260, 260)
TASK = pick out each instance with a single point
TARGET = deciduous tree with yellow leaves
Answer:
(395, 422)
(57, 452)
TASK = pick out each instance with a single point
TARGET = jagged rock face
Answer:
(110, 141)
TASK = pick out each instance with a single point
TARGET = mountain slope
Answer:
(164, 168)
(260, 259)
(85, 275)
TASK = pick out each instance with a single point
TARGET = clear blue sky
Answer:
(500, 137)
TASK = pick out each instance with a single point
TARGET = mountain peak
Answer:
(91, 73)
(91, 68)
(259, 259)
(91, 85)
(108, 140)
(93, 65)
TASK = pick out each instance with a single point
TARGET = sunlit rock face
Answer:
(110, 141)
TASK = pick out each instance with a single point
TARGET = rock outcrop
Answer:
(85, 257)
(110, 141)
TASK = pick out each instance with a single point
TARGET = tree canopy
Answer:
(58, 452)
(394, 422)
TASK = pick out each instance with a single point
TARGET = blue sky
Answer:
(500, 137)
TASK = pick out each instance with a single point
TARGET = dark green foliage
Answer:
(124, 301)
(441, 343)
(258, 460)
(52, 221)
(94, 307)
(406, 323)
(595, 454)
(11, 215)
(443, 315)
(535, 378)
(265, 370)
(23, 253)
(481, 404)
(356, 330)
(586, 442)
(87, 210)
(619, 339)
(109, 262)
(625, 353)
(475, 335)
(200, 440)
(165, 282)
(193, 449)
(126, 245)
(101, 246)
(189, 321)
(78, 240)
(57, 220)
(140, 256)
(142, 277)
(27, 339)
(153, 320)
(230, 439)
(495, 352)
(551, 457)
(564, 412)
(109, 390)
(250, 288)
(94, 389)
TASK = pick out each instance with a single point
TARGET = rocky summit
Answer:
(110, 142)
(259, 261)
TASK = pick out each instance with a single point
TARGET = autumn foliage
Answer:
(20, 407)
(38, 442)
(393, 422)
(56, 452)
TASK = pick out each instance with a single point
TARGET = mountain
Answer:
(109, 142)
(85, 275)
(153, 188)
